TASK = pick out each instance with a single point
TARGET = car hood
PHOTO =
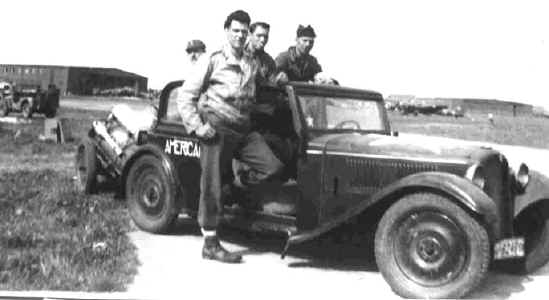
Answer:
(405, 146)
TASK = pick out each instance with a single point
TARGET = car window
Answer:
(330, 113)
(172, 113)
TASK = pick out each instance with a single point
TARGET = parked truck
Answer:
(28, 99)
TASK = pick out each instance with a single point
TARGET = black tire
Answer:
(533, 225)
(26, 110)
(150, 195)
(87, 166)
(428, 247)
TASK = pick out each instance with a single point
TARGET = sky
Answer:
(477, 49)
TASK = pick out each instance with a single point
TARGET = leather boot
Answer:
(213, 250)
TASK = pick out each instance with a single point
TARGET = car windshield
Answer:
(339, 113)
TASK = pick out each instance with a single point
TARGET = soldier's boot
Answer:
(213, 250)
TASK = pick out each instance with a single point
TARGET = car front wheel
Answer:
(428, 247)
(150, 195)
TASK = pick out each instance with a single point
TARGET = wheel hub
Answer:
(151, 197)
(429, 249)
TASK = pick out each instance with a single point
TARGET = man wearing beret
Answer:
(297, 63)
(225, 84)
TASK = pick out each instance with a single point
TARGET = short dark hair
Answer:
(239, 16)
(259, 24)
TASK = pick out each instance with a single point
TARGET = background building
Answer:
(468, 105)
(74, 80)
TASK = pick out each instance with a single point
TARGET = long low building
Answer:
(469, 105)
(72, 79)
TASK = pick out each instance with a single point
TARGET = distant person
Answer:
(297, 62)
(195, 48)
(259, 37)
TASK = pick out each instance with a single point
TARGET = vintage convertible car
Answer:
(441, 213)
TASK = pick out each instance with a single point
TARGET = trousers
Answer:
(216, 156)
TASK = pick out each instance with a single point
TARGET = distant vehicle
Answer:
(442, 213)
(456, 112)
(425, 109)
(28, 100)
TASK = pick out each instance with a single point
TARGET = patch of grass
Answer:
(23, 139)
(521, 130)
(56, 238)
(52, 237)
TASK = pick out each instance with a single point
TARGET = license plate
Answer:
(509, 248)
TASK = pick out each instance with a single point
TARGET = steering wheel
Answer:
(348, 124)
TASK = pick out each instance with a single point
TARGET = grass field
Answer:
(521, 130)
(51, 236)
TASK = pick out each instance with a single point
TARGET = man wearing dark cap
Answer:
(195, 48)
(225, 84)
(297, 63)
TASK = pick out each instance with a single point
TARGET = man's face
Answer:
(259, 38)
(236, 34)
(304, 44)
(194, 55)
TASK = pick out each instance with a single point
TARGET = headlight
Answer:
(475, 173)
(522, 176)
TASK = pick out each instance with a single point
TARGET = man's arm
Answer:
(281, 62)
(274, 75)
(316, 66)
(188, 95)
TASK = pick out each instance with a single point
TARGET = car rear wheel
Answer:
(428, 247)
(150, 195)
(533, 225)
(86, 164)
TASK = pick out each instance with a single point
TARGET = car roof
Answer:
(335, 90)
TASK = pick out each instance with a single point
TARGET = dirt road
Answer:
(171, 266)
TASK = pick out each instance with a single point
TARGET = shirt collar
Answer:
(228, 53)
(293, 53)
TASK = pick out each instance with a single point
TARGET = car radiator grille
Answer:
(368, 175)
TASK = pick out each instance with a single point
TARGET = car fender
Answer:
(167, 166)
(461, 190)
(536, 192)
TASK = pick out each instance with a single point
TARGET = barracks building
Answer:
(73, 80)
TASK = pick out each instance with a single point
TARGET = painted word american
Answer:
(185, 148)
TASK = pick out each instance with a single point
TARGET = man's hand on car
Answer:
(205, 131)
(281, 78)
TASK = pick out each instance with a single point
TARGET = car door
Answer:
(309, 169)
(182, 149)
